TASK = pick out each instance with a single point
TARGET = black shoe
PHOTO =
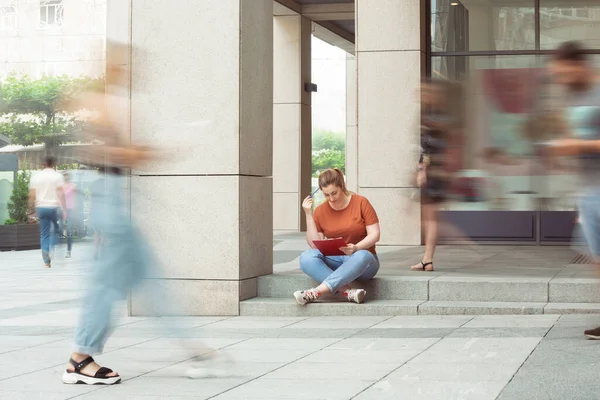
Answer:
(593, 333)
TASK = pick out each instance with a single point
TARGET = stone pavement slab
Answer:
(348, 357)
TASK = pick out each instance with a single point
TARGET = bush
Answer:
(328, 151)
(17, 204)
(322, 140)
(328, 158)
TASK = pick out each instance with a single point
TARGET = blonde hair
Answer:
(332, 176)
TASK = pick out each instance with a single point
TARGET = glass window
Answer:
(51, 13)
(564, 20)
(8, 17)
(499, 96)
(473, 25)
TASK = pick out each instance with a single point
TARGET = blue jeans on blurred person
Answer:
(48, 217)
(589, 213)
(123, 265)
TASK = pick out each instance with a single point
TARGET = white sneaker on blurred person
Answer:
(210, 365)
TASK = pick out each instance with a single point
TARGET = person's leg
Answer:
(69, 222)
(430, 222)
(90, 336)
(319, 268)
(313, 264)
(363, 263)
(44, 223)
(589, 211)
(54, 229)
(61, 223)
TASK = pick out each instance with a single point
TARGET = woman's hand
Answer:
(307, 206)
(421, 178)
(349, 249)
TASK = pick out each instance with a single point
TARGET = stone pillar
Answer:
(351, 136)
(202, 75)
(389, 63)
(292, 126)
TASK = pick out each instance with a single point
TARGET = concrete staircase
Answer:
(574, 289)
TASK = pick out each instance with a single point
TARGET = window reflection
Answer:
(472, 25)
(563, 20)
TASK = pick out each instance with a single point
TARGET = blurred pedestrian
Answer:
(46, 196)
(572, 68)
(437, 161)
(128, 258)
(69, 213)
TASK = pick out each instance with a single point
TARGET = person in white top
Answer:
(46, 195)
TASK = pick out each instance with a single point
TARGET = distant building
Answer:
(52, 37)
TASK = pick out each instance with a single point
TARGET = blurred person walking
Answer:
(46, 196)
(128, 258)
(69, 214)
(572, 68)
(436, 163)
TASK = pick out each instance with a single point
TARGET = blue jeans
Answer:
(123, 266)
(589, 212)
(338, 271)
(48, 230)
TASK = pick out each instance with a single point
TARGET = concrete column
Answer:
(202, 75)
(389, 60)
(292, 126)
(351, 133)
(118, 30)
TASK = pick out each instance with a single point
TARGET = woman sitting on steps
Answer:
(351, 217)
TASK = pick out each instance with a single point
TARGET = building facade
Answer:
(236, 74)
(52, 37)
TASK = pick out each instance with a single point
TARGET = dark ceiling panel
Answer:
(323, 1)
(347, 25)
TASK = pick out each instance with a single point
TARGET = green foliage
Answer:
(323, 159)
(322, 140)
(36, 111)
(329, 151)
(63, 167)
(17, 204)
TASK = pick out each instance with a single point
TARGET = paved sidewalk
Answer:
(419, 357)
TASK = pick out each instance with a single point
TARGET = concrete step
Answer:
(287, 307)
(452, 288)
(388, 288)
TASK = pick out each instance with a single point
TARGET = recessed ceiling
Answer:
(323, 1)
(347, 24)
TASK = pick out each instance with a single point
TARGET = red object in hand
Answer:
(330, 247)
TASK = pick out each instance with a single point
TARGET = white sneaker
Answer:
(212, 365)
(355, 295)
(306, 296)
(203, 372)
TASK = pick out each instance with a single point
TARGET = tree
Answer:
(328, 140)
(17, 204)
(40, 111)
(329, 151)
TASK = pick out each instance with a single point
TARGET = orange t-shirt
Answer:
(350, 223)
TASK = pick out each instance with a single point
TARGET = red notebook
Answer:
(330, 247)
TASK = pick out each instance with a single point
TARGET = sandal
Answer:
(99, 378)
(423, 265)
